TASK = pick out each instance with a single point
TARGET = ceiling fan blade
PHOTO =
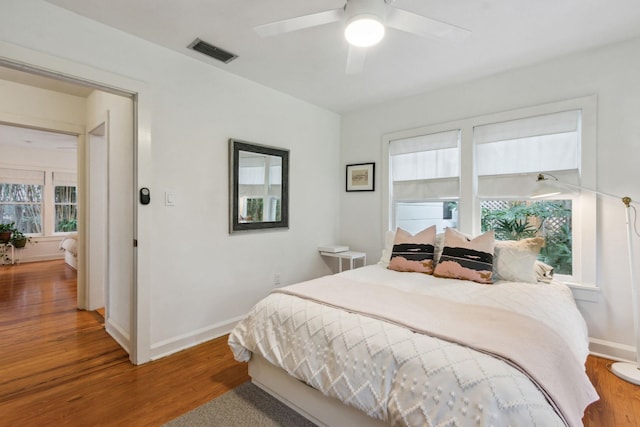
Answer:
(299, 23)
(355, 59)
(425, 27)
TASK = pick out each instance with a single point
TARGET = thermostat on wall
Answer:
(334, 249)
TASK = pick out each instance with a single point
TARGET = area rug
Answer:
(245, 405)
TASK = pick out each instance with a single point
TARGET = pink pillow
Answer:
(413, 253)
(467, 259)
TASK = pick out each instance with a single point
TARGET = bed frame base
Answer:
(307, 401)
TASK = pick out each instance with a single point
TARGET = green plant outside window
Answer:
(66, 208)
(22, 205)
(515, 220)
(255, 209)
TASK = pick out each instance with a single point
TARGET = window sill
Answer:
(584, 292)
(55, 238)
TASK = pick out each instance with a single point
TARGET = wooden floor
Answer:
(58, 367)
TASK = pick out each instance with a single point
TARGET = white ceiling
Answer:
(13, 136)
(310, 64)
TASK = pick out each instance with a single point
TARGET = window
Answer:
(482, 179)
(507, 153)
(425, 186)
(65, 202)
(251, 209)
(21, 199)
(66, 209)
(39, 202)
(515, 220)
(260, 182)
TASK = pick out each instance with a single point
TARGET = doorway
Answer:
(108, 243)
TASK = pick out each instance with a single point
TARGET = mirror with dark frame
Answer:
(259, 187)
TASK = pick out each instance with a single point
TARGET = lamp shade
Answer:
(364, 30)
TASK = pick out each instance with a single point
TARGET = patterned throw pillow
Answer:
(467, 259)
(515, 259)
(413, 253)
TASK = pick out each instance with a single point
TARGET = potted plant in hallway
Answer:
(6, 230)
(19, 240)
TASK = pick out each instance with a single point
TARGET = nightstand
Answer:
(348, 255)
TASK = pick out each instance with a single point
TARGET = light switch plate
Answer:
(169, 198)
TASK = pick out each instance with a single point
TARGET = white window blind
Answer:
(18, 176)
(252, 176)
(425, 167)
(508, 152)
(65, 179)
(252, 170)
(275, 173)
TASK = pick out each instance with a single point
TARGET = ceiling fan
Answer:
(365, 23)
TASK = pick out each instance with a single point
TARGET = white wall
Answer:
(613, 74)
(34, 107)
(200, 278)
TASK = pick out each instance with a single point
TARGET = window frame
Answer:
(47, 204)
(469, 211)
(69, 204)
(29, 179)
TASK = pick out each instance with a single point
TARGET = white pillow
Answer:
(544, 272)
(388, 248)
(514, 260)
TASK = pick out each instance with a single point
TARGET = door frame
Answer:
(34, 62)
(97, 272)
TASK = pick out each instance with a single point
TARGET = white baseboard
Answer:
(173, 345)
(39, 258)
(612, 350)
(120, 335)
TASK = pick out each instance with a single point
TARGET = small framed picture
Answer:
(360, 177)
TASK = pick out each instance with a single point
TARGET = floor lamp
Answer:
(549, 185)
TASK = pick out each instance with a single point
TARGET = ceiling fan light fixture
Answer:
(364, 30)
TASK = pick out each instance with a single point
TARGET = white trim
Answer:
(181, 342)
(39, 258)
(95, 274)
(585, 292)
(612, 350)
(119, 334)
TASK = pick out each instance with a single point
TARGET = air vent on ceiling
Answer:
(212, 51)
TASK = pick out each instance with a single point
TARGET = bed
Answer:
(379, 346)
(70, 247)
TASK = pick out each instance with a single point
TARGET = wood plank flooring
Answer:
(59, 367)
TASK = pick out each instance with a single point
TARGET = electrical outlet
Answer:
(276, 279)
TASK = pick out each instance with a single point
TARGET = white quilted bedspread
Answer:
(406, 378)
